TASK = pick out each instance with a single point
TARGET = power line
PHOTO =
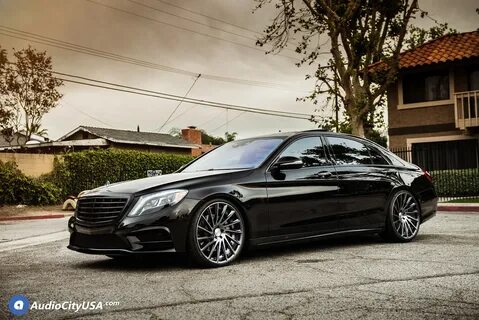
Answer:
(204, 103)
(228, 121)
(197, 22)
(179, 104)
(183, 28)
(179, 98)
(167, 96)
(294, 115)
(182, 113)
(36, 38)
(64, 103)
(209, 17)
(218, 20)
(209, 120)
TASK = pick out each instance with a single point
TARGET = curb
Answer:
(458, 208)
(37, 217)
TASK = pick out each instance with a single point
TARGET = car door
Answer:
(363, 181)
(302, 199)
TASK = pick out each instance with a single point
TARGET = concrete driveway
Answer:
(435, 277)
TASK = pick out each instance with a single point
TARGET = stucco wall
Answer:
(31, 164)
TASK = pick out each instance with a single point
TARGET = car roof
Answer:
(289, 134)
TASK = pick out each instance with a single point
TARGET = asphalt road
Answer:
(434, 277)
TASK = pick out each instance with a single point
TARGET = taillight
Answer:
(427, 175)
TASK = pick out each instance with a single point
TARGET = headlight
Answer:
(153, 202)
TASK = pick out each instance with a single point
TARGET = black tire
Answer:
(217, 234)
(403, 217)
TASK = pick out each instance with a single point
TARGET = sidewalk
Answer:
(15, 213)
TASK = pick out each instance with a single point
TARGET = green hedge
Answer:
(16, 188)
(86, 170)
(78, 171)
(456, 183)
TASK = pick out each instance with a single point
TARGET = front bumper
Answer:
(165, 231)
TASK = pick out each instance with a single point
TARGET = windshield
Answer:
(241, 154)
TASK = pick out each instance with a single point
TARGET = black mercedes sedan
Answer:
(273, 189)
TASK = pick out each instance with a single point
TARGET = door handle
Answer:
(323, 175)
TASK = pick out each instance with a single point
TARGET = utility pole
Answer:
(227, 121)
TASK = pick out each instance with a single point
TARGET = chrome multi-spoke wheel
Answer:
(404, 217)
(219, 233)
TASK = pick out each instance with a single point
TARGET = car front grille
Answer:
(99, 210)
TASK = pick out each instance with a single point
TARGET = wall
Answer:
(32, 164)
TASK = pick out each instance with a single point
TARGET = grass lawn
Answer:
(469, 200)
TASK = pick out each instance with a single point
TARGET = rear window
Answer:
(349, 152)
(377, 157)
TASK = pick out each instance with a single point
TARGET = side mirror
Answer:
(288, 163)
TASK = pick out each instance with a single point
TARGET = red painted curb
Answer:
(38, 217)
(458, 208)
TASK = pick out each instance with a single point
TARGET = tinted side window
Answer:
(310, 150)
(377, 157)
(348, 151)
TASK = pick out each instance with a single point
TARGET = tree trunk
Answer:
(357, 126)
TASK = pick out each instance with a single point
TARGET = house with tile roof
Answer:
(434, 104)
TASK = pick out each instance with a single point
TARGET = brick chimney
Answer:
(192, 135)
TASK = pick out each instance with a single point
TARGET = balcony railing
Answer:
(466, 108)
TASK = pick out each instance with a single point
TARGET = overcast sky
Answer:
(171, 41)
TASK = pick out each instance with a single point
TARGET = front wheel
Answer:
(217, 234)
(403, 217)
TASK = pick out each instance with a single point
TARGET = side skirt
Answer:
(265, 241)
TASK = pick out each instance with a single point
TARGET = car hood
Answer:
(139, 185)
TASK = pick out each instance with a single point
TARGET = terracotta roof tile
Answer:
(452, 47)
(445, 49)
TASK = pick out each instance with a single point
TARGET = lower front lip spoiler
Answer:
(115, 251)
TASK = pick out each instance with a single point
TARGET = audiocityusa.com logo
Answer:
(18, 305)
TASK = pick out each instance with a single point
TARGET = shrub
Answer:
(456, 183)
(16, 188)
(86, 170)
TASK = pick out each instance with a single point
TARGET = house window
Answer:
(474, 80)
(425, 86)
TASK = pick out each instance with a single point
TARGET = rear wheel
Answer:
(217, 234)
(403, 219)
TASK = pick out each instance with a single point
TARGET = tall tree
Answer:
(230, 136)
(358, 33)
(418, 36)
(28, 91)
